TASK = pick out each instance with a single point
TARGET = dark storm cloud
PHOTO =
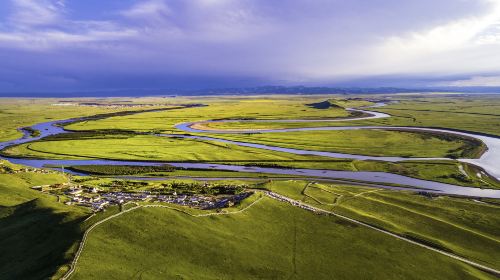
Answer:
(66, 45)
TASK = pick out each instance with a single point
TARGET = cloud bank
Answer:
(91, 45)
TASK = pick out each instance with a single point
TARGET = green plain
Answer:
(271, 240)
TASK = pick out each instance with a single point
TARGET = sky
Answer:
(89, 45)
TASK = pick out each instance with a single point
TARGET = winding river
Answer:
(489, 161)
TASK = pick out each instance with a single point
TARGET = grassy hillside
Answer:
(466, 227)
(36, 238)
(37, 234)
(271, 240)
(15, 188)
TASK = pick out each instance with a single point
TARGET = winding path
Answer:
(281, 198)
(73, 264)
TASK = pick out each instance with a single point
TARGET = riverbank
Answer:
(50, 128)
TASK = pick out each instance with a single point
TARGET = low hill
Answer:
(37, 233)
(327, 104)
(270, 240)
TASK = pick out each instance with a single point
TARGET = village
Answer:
(6, 169)
(98, 199)
(128, 104)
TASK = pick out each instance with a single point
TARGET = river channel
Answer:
(489, 161)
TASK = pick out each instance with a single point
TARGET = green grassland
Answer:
(16, 113)
(263, 108)
(144, 147)
(409, 144)
(165, 244)
(367, 142)
(15, 187)
(153, 148)
(270, 240)
(37, 234)
(475, 113)
(470, 112)
(478, 113)
(463, 226)
(37, 237)
(249, 124)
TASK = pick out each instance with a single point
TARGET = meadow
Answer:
(119, 145)
(144, 147)
(466, 227)
(368, 142)
(164, 149)
(233, 247)
(273, 107)
(270, 240)
(121, 137)
(37, 233)
(474, 113)
(17, 113)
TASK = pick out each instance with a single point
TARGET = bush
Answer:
(120, 169)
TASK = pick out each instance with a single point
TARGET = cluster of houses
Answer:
(85, 196)
(98, 199)
(108, 105)
(34, 170)
(9, 170)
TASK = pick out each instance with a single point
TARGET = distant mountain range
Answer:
(343, 90)
(253, 90)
